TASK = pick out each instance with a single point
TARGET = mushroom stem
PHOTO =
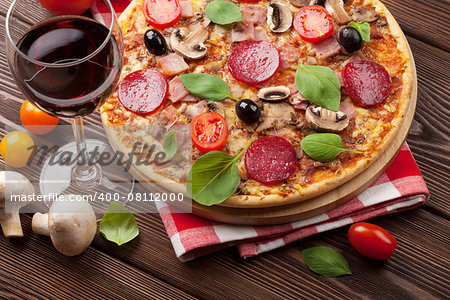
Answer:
(39, 224)
(11, 225)
(12, 185)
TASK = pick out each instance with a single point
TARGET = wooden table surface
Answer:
(148, 268)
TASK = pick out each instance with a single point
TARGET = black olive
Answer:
(247, 111)
(155, 42)
(318, 2)
(350, 39)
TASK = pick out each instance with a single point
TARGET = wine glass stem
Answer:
(86, 174)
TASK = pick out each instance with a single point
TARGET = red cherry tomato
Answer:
(162, 13)
(372, 241)
(313, 23)
(144, 91)
(66, 7)
(367, 82)
(35, 120)
(209, 131)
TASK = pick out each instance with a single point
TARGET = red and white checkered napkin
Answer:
(400, 188)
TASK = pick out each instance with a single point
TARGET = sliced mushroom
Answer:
(277, 115)
(279, 17)
(217, 107)
(274, 93)
(337, 11)
(189, 44)
(323, 119)
(199, 18)
(317, 2)
(363, 14)
(300, 3)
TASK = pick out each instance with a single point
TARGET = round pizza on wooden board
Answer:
(300, 99)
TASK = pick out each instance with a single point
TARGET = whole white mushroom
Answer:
(17, 185)
(70, 223)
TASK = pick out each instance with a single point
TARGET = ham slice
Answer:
(172, 64)
(253, 15)
(289, 53)
(299, 101)
(261, 35)
(243, 32)
(327, 48)
(177, 91)
(348, 108)
(186, 8)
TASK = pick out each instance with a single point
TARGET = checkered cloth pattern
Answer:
(400, 188)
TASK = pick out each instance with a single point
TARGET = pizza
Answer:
(298, 97)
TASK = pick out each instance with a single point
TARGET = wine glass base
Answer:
(115, 185)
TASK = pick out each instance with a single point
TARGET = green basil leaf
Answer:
(206, 86)
(214, 177)
(323, 146)
(170, 145)
(326, 261)
(363, 29)
(319, 85)
(118, 224)
(223, 12)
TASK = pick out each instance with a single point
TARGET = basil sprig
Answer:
(324, 146)
(320, 85)
(170, 144)
(363, 29)
(326, 261)
(214, 177)
(118, 224)
(223, 12)
(206, 86)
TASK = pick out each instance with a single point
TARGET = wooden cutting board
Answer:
(314, 206)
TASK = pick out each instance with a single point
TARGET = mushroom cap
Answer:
(72, 225)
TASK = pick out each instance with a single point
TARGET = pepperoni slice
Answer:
(367, 82)
(144, 91)
(254, 62)
(270, 160)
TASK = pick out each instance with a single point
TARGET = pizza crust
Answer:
(148, 177)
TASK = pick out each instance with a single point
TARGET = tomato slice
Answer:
(162, 13)
(209, 131)
(313, 23)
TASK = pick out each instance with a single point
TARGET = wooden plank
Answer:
(419, 266)
(424, 20)
(31, 267)
(429, 136)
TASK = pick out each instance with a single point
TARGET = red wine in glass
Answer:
(61, 87)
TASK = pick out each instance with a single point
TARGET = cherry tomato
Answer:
(35, 120)
(372, 241)
(313, 23)
(67, 7)
(16, 149)
(209, 131)
(162, 13)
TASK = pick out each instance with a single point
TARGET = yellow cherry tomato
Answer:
(16, 149)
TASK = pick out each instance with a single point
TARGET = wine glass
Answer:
(67, 66)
